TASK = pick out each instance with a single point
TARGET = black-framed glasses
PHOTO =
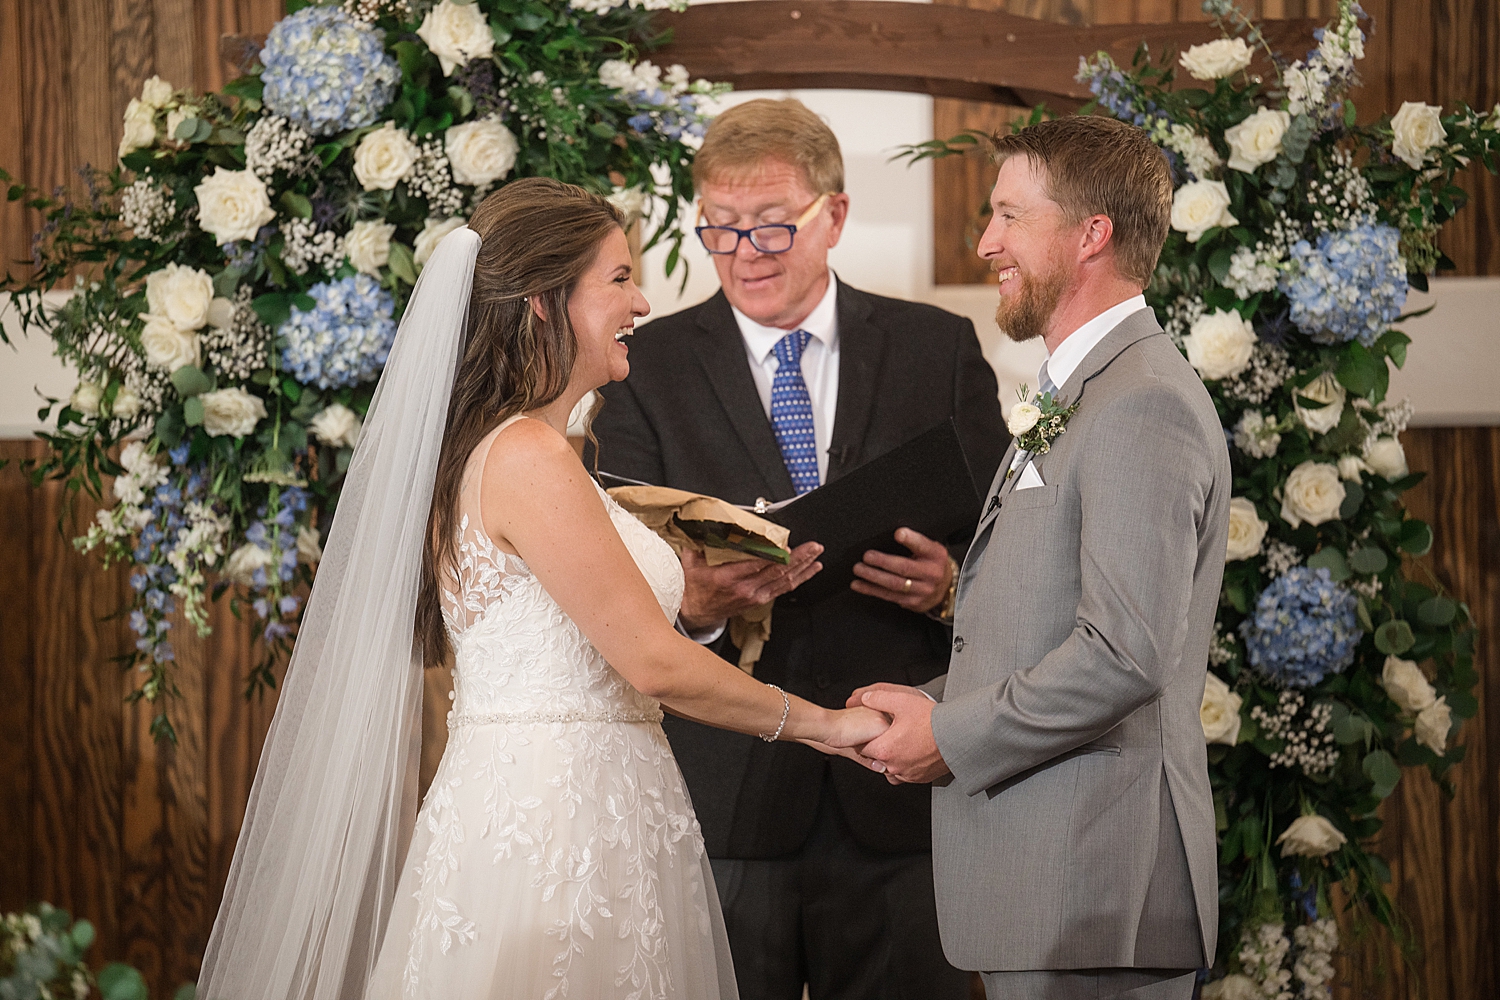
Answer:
(767, 239)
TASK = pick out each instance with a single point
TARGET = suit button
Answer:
(958, 644)
(822, 680)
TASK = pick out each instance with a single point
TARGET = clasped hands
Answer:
(887, 728)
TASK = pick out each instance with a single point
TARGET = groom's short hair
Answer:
(1102, 166)
(745, 136)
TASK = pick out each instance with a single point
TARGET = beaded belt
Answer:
(535, 717)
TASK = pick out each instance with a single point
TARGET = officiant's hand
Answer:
(714, 593)
(917, 583)
(907, 749)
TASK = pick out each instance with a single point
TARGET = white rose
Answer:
(336, 425)
(1257, 139)
(167, 347)
(457, 33)
(244, 561)
(384, 158)
(480, 152)
(1324, 389)
(1023, 417)
(182, 294)
(86, 397)
(127, 403)
(1233, 987)
(1351, 467)
(176, 118)
(233, 412)
(431, 235)
(1199, 206)
(368, 246)
(1220, 712)
(1217, 59)
(1310, 837)
(156, 92)
(140, 127)
(1417, 127)
(1219, 344)
(1313, 493)
(1387, 458)
(633, 202)
(1433, 725)
(1246, 530)
(233, 205)
(1404, 681)
(309, 550)
(221, 313)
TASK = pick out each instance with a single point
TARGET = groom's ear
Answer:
(1098, 232)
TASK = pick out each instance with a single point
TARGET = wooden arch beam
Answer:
(936, 49)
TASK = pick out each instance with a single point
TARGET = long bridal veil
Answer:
(331, 811)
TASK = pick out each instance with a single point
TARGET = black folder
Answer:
(924, 484)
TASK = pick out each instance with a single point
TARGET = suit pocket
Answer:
(1029, 499)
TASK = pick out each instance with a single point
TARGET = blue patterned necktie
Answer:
(792, 413)
(1046, 385)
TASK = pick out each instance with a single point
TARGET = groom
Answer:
(1073, 835)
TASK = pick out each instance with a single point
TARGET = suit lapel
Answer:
(721, 349)
(861, 349)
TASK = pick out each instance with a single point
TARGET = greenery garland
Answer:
(1295, 236)
(249, 259)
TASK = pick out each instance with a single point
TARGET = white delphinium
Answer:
(146, 207)
(1280, 556)
(1313, 968)
(432, 178)
(1269, 368)
(199, 545)
(1197, 152)
(305, 246)
(1308, 81)
(1256, 435)
(1263, 952)
(273, 144)
(1253, 271)
(238, 350)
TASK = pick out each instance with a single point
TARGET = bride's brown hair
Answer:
(537, 238)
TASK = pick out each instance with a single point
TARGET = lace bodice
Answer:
(517, 655)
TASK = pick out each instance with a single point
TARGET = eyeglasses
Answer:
(767, 239)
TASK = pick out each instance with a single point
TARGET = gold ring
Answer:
(906, 587)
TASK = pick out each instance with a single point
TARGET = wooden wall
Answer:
(69, 67)
(1437, 51)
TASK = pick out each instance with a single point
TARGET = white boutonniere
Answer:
(1036, 423)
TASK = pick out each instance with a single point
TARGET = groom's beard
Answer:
(1025, 316)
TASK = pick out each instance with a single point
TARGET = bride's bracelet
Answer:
(786, 710)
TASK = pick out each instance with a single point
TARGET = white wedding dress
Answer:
(556, 853)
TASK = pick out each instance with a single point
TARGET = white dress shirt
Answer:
(820, 364)
(1063, 362)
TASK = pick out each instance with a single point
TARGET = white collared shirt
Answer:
(820, 364)
(1063, 362)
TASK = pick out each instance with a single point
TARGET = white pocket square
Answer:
(1030, 478)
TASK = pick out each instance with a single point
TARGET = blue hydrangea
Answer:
(326, 71)
(1350, 286)
(1304, 627)
(345, 338)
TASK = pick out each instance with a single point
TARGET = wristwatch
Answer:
(944, 612)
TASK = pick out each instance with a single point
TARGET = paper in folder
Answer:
(924, 484)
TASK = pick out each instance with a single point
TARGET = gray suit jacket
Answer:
(1078, 829)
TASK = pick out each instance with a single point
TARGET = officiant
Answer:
(786, 379)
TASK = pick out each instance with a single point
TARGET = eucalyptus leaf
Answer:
(1416, 537)
(185, 130)
(1354, 495)
(1437, 611)
(202, 130)
(190, 380)
(402, 263)
(1381, 768)
(1394, 637)
(1331, 559)
(192, 411)
(118, 981)
(1368, 559)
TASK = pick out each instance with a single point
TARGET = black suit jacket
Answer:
(689, 417)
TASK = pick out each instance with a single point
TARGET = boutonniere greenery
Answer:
(1036, 423)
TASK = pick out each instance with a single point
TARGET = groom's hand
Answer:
(907, 749)
(917, 583)
(713, 593)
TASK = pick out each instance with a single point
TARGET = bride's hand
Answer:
(854, 727)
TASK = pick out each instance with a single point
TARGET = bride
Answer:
(556, 853)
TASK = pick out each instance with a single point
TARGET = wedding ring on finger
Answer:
(906, 586)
